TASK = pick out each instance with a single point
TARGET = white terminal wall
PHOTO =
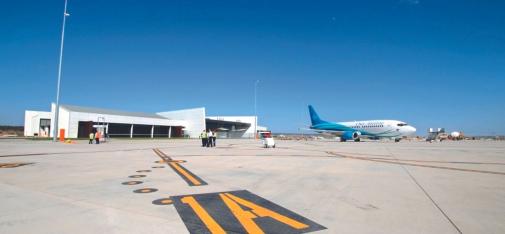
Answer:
(32, 121)
(63, 120)
(195, 120)
(69, 120)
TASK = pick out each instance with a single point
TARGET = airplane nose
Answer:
(412, 130)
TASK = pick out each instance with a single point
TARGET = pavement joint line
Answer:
(79, 152)
(14, 164)
(427, 195)
(339, 155)
(190, 178)
(425, 161)
(416, 165)
(81, 202)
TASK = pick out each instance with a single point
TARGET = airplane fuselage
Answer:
(371, 128)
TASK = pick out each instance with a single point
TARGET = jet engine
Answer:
(350, 136)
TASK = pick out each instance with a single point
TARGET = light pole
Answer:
(255, 110)
(57, 110)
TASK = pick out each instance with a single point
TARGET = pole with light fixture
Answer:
(255, 110)
(57, 109)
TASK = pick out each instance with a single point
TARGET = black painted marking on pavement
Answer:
(145, 190)
(141, 171)
(163, 201)
(132, 182)
(238, 212)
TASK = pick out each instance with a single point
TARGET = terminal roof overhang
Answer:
(124, 117)
(239, 126)
(110, 112)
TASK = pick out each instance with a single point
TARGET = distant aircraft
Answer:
(355, 130)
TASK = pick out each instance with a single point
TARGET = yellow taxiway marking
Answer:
(246, 217)
(238, 212)
(162, 155)
(211, 224)
(185, 173)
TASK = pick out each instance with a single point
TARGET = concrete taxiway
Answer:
(177, 186)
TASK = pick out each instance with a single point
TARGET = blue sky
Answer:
(430, 63)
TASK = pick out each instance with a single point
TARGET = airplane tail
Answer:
(314, 117)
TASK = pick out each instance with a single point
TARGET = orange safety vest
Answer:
(97, 135)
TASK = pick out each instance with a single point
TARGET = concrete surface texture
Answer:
(352, 187)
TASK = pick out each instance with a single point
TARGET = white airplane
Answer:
(355, 130)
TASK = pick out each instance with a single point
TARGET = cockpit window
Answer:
(402, 124)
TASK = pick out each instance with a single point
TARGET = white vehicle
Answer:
(267, 140)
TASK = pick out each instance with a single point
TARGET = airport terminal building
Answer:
(78, 122)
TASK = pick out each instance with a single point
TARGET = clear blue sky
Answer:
(430, 63)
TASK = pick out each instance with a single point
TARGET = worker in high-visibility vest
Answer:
(98, 134)
(91, 137)
(204, 137)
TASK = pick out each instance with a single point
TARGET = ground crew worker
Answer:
(214, 136)
(97, 137)
(91, 137)
(203, 135)
(209, 143)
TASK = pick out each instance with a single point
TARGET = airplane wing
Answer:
(327, 132)
(339, 133)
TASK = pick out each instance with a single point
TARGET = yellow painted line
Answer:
(161, 154)
(157, 151)
(245, 217)
(185, 173)
(209, 222)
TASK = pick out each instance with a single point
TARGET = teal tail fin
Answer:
(314, 117)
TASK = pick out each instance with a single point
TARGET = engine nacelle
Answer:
(350, 136)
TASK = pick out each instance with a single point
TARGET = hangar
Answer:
(78, 122)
